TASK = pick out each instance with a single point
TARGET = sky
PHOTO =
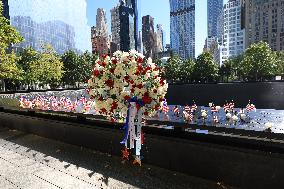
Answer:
(160, 11)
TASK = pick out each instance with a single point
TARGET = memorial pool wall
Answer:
(237, 161)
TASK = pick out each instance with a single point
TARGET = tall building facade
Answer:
(64, 26)
(99, 34)
(233, 43)
(123, 26)
(148, 36)
(182, 15)
(100, 43)
(264, 21)
(160, 38)
(214, 10)
(6, 9)
(101, 22)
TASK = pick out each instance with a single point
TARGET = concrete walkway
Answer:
(29, 161)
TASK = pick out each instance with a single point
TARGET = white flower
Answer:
(228, 115)
(243, 116)
(268, 125)
(235, 118)
(203, 113)
(210, 104)
(218, 108)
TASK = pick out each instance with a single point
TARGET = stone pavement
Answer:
(29, 161)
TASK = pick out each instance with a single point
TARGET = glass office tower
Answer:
(183, 27)
(61, 23)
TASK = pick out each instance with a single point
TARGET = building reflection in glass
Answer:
(61, 23)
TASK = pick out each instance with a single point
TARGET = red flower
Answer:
(101, 98)
(127, 97)
(146, 99)
(104, 64)
(157, 107)
(114, 61)
(109, 83)
(103, 110)
(111, 70)
(104, 56)
(131, 82)
(162, 82)
(146, 113)
(126, 77)
(132, 90)
(139, 60)
(161, 99)
(96, 73)
(155, 91)
(114, 105)
(140, 86)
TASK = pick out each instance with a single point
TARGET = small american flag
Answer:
(213, 109)
(187, 108)
(226, 107)
(176, 110)
(232, 105)
(165, 107)
(250, 107)
(215, 119)
(187, 116)
(194, 107)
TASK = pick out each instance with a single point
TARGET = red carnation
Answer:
(96, 73)
(104, 64)
(109, 83)
(114, 61)
(146, 99)
(126, 77)
(132, 90)
(140, 86)
(131, 82)
(114, 105)
(162, 82)
(104, 56)
(127, 97)
(103, 110)
(111, 70)
(139, 60)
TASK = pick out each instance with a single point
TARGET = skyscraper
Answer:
(234, 36)
(101, 22)
(6, 9)
(214, 10)
(182, 14)
(160, 38)
(148, 36)
(264, 21)
(64, 26)
(99, 34)
(123, 26)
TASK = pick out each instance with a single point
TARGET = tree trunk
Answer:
(3, 85)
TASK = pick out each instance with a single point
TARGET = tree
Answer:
(231, 68)
(44, 67)
(259, 62)
(8, 35)
(186, 70)
(85, 66)
(172, 73)
(27, 58)
(205, 69)
(77, 67)
(280, 63)
(71, 63)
